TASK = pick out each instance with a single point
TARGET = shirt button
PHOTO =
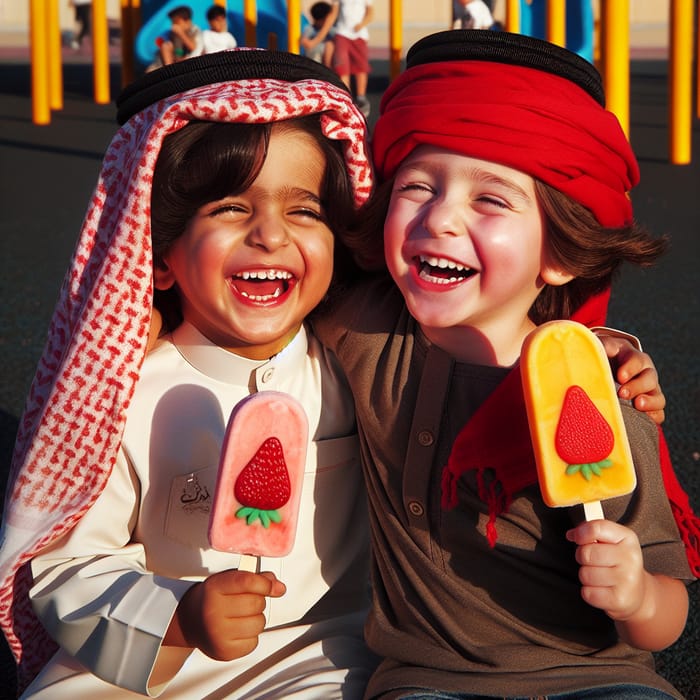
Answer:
(415, 508)
(267, 375)
(425, 438)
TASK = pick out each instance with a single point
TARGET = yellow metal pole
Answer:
(131, 22)
(55, 60)
(680, 81)
(293, 25)
(697, 68)
(513, 16)
(100, 52)
(556, 22)
(615, 18)
(38, 35)
(395, 38)
(250, 19)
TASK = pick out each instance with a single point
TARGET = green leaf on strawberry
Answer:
(584, 439)
(263, 485)
(264, 516)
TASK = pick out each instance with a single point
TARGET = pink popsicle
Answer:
(261, 470)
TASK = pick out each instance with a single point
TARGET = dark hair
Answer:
(320, 10)
(574, 240)
(206, 161)
(592, 253)
(181, 11)
(215, 11)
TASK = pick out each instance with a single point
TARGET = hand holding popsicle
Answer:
(223, 615)
(578, 435)
(649, 610)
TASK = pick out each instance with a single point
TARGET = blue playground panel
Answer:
(272, 18)
(579, 24)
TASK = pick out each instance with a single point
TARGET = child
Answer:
(471, 14)
(183, 39)
(217, 37)
(503, 209)
(116, 462)
(318, 45)
(351, 45)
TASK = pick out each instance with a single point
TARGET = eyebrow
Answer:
(471, 172)
(490, 178)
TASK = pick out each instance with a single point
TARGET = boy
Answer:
(351, 48)
(183, 39)
(236, 186)
(316, 45)
(471, 14)
(217, 37)
(505, 208)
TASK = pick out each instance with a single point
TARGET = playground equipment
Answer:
(569, 23)
(271, 20)
(559, 21)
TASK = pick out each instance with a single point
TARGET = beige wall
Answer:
(14, 14)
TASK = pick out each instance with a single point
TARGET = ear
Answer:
(163, 276)
(554, 275)
(552, 272)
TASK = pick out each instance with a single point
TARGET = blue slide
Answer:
(272, 18)
(579, 24)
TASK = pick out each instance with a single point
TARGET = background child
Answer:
(217, 37)
(83, 14)
(183, 39)
(471, 14)
(505, 208)
(351, 45)
(317, 39)
(124, 578)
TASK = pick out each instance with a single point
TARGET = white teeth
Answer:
(440, 280)
(261, 297)
(442, 263)
(265, 275)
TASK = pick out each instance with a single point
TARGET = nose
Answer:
(444, 216)
(268, 233)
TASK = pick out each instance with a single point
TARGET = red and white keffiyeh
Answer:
(74, 417)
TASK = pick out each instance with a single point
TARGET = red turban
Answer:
(528, 119)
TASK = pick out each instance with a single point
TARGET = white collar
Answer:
(225, 366)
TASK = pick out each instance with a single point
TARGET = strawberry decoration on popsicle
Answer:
(584, 439)
(263, 486)
(574, 417)
(261, 472)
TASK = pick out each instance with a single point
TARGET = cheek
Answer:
(318, 253)
(394, 235)
(512, 253)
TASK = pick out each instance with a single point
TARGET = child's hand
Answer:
(635, 372)
(612, 571)
(649, 610)
(223, 615)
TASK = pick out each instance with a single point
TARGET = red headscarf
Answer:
(525, 118)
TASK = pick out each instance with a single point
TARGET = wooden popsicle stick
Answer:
(593, 510)
(249, 562)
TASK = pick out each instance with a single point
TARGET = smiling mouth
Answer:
(262, 285)
(442, 270)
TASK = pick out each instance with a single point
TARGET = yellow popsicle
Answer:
(578, 435)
